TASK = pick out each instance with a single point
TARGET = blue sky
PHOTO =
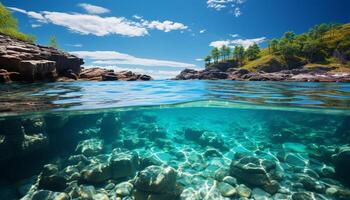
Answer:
(162, 37)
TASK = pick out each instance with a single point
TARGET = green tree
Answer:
(53, 42)
(239, 54)
(313, 51)
(215, 54)
(227, 52)
(273, 45)
(288, 49)
(223, 52)
(289, 36)
(207, 61)
(253, 52)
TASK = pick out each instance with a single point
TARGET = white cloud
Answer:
(234, 35)
(199, 59)
(75, 45)
(165, 26)
(35, 15)
(232, 43)
(223, 4)
(92, 9)
(220, 43)
(86, 24)
(202, 31)
(237, 12)
(116, 58)
(35, 25)
(96, 25)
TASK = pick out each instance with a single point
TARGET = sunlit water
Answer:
(204, 130)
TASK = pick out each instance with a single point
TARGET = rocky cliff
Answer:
(24, 61)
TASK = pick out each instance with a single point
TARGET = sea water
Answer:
(175, 140)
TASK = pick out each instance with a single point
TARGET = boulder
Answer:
(91, 147)
(56, 182)
(256, 172)
(48, 195)
(96, 172)
(342, 164)
(156, 179)
(123, 163)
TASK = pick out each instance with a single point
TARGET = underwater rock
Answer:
(259, 194)
(123, 189)
(307, 196)
(86, 192)
(226, 189)
(123, 164)
(47, 195)
(192, 134)
(244, 191)
(91, 147)
(255, 171)
(148, 161)
(156, 179)
(342, 164)
(96, 173)
(109, 127)
(210, 152)
(205, 138)
(50, 169)
(230, 180)
(56, 182)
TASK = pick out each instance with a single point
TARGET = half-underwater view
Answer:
(175, 100)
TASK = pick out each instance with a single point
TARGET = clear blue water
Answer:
(203, 130)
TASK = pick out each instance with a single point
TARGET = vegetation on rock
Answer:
(8, 26)
(326, 45)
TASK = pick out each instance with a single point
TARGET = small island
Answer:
(320, 55)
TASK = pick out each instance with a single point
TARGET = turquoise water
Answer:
(175, 140)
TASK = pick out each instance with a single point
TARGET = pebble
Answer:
(230, 180)
(244, 191)
(226, 189)
(123, 189)
(331, 191)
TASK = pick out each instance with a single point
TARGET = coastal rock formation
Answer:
(99, 74)
(35, 62)
(302, 75)
(24, 61)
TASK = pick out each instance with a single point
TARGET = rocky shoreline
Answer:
(25, 62)
(318, 74)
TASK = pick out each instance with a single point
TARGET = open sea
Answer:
(164, 140)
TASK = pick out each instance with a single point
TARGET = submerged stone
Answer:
(244, 191)
(256, 171)
(342, 164)
(123, 164)
(91, 147)
(226, 189)
(156, 179)
(96, 173)
(48, 195)
(123, 189)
